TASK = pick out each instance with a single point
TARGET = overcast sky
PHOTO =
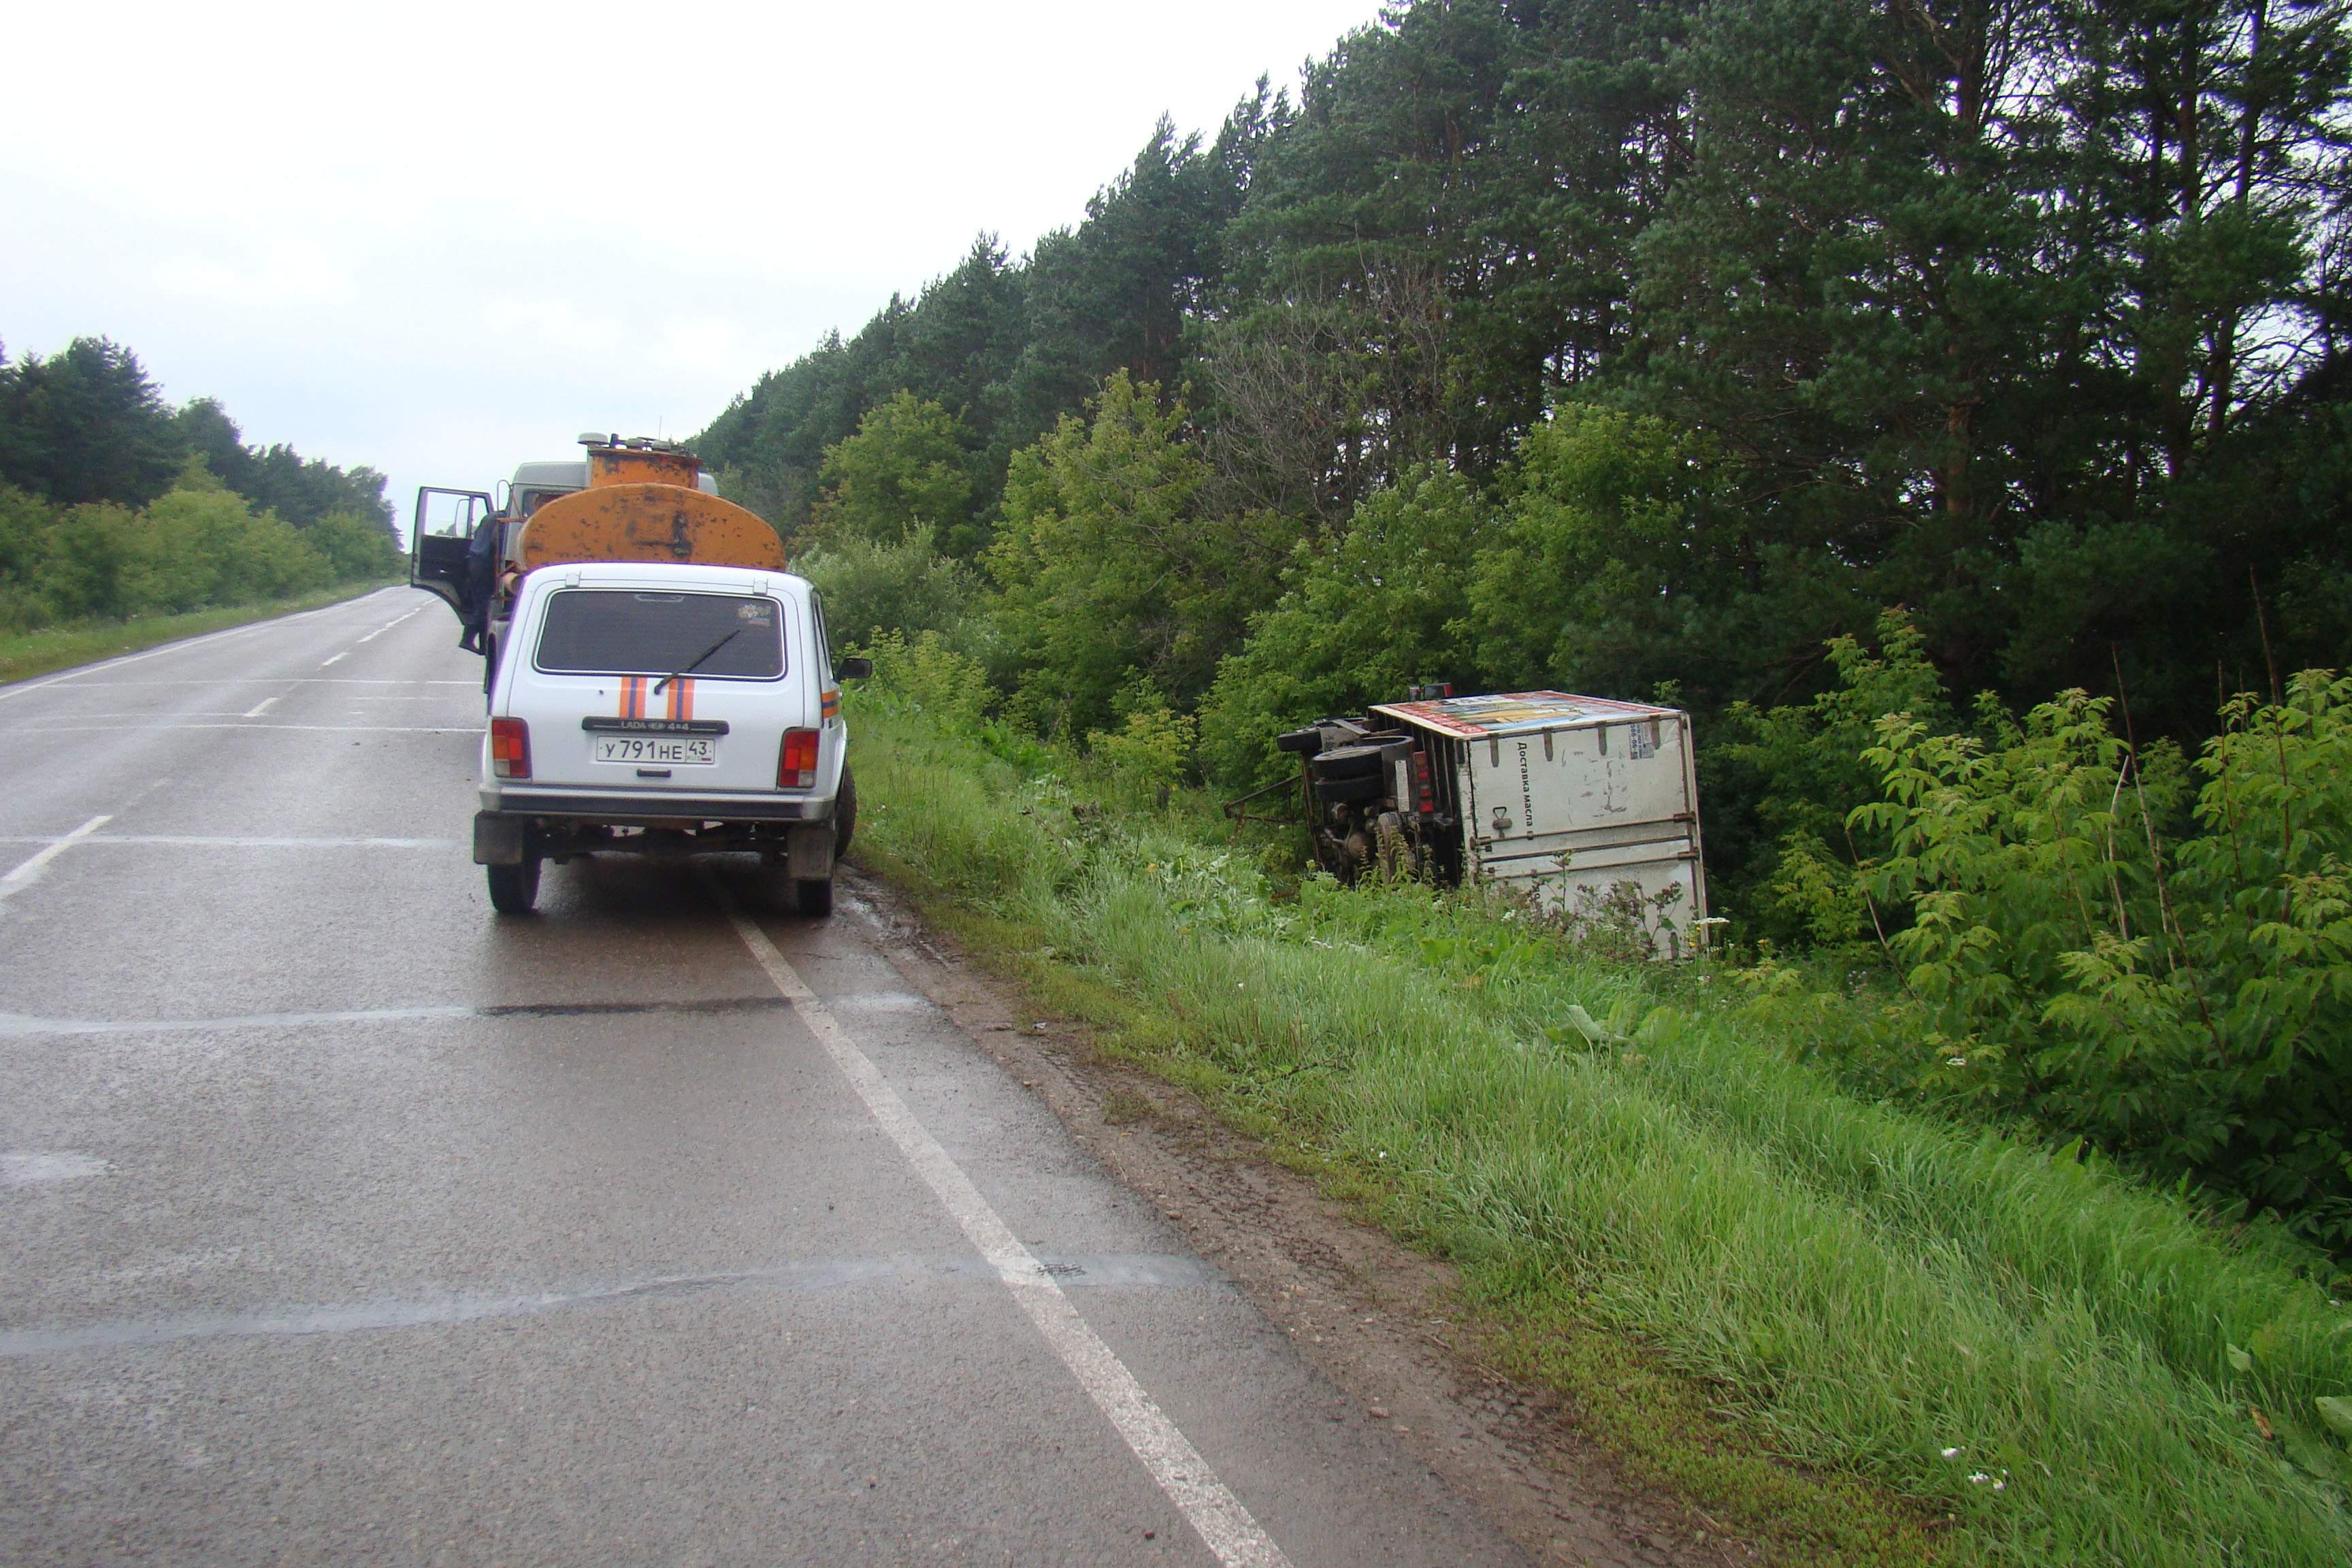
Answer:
(441, 240)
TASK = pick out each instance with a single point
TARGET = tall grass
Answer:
(2070, 1368)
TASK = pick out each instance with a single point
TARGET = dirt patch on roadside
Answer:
(1370, 1314)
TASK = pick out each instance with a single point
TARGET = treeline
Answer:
(113, 503)
(1640, 348)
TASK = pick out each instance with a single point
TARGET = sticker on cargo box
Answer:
(1506, 712)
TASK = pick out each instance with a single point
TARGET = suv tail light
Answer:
(509, 748)
(796, 763)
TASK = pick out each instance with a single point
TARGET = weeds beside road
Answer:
(1973, 1349)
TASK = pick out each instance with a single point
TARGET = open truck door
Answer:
(439, 543)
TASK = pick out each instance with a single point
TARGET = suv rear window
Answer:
(620, 631)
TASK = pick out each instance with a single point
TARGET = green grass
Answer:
(23, 655)
(1782, 1302)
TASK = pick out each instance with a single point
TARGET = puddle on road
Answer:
(22, 1025)
(1114, 1270)
(879, 1002)
(42, 1170)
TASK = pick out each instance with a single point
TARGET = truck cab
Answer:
(449, 556)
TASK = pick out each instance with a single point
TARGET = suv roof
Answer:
(682, 571)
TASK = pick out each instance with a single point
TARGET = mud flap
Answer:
(810, 852)
(499, 839)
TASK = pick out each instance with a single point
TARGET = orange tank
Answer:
(641, 504)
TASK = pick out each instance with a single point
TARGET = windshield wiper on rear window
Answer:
(697, 664)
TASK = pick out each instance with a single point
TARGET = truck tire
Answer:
(814, 897)
(1366, 786)
(1345, 762)
(514, 889)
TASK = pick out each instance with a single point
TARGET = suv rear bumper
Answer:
(511, 837)
(641, 809)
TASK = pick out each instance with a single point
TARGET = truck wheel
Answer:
(816, 899)
(1370, 786)
(514, 889)
(1347, 763)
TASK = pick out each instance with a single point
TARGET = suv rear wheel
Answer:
(514, 889)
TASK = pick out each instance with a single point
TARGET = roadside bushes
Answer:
(1362, 615)
(1109, 569)
(2036, 919)
(2181, 990)
(903, 584)
(196, 546)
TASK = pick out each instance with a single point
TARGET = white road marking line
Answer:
(20, 690)
(184, 643)
(1224, 1526)
(389, 625)
(32, 870)
(338, 658)
(37, 728)
(259, 708)
(82, 716)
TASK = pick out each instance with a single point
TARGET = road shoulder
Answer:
(1377, 1319)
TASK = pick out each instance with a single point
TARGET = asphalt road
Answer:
(347, 1222)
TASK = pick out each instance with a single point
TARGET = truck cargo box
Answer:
(1588, 805)
(1573, 799)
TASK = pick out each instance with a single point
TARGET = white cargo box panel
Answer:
(1580, 799)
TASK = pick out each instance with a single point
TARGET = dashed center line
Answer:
(385, 627)
(337, 659)
(259, 708)
(205, 641)
(239, 723)
(34, 868)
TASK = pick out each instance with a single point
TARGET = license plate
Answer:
(659, 750)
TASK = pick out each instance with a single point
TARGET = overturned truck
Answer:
(1588, 805)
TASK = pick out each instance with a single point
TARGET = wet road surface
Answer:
(347, 1222)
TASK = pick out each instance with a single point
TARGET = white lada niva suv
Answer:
(652, 707)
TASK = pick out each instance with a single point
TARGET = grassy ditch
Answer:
(1854, 1332)
(23, 655)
